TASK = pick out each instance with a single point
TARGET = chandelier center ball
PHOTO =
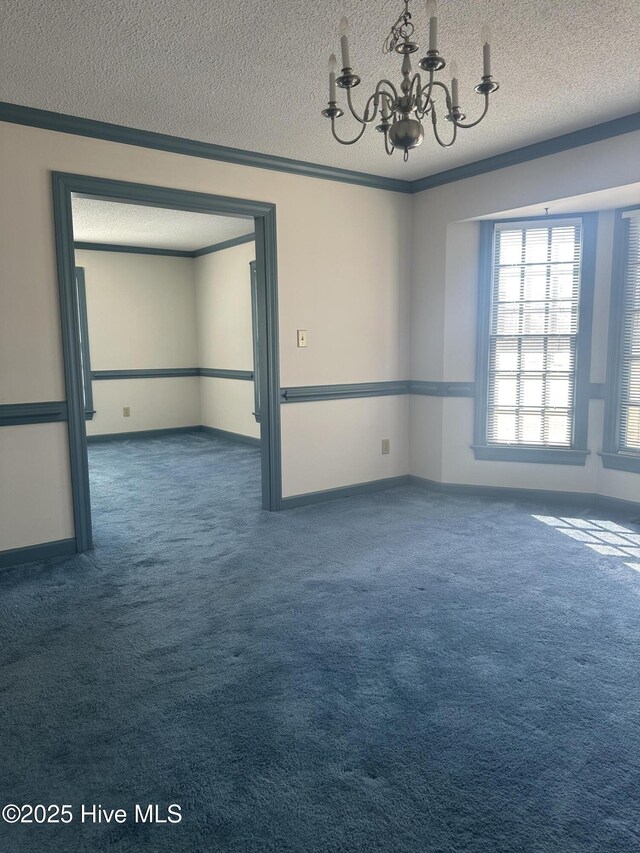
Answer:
(406, 133)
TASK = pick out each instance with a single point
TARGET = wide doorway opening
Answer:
(170, 340)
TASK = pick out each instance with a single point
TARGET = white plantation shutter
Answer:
(533, 333)
(630, 374)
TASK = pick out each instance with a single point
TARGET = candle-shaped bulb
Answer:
(344, 43)
(454, 85)
(333, 67)
(432, 14)
(386, 112)
(485, 38)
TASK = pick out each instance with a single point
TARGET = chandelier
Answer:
(400, 113)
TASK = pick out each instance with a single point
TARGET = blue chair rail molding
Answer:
(170, 372)
(16, 414)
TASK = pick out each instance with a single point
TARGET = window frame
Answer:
(612, 456)
(577, 453)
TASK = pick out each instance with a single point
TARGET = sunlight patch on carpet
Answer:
(604, 537)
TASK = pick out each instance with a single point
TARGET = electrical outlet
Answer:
(126, 411)
(302, 337)
(386, 446)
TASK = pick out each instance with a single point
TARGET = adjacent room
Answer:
(167, 303)
(320, 427)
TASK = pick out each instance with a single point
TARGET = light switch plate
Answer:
(386, 446)
(126, 411)
(302, 337)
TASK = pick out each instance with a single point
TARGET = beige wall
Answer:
(141, 312)
(444, 315)
(347, 286)
(223, 299)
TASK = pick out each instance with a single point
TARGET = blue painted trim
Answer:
(255, 340)
(72, 361)
(89, 411)
(577, 453)
(309, 393)
(538, 496)
(35, 553)
(555, 145)
(585, 330)
(621, 462)
(172, 372)
(62, 123)
(221, 373)
(225, 244)
(442, 389)
(142, 433)
(264, 214)
(485, 265)
(520, 453)
(146, 373)
(268, 363)
(232, 436)
(17, 414)
(159, 433)
(344, 492)
(172, 253)
(132, 250)
(611, 455)
(598, 390)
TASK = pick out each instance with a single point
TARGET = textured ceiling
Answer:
(97, 221)
(607, 199)
(253, 74)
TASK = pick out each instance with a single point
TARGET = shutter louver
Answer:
(630, 386)
(534, 327)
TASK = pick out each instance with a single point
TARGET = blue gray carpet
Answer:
(394, 672)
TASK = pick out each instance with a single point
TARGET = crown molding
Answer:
(78, 126)
(131, 250)
(47, 120)
(555, 145)
(173, 253)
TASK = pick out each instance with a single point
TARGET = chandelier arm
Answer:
(428, 89)
(388, 148)
(367, 119)
(434, 121)
(417, 83)
(346, 141)
(477, 121)
(390, 85)
(422, 113)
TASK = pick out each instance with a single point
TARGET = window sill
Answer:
(518, 453)
(88, 415)
(621, 462)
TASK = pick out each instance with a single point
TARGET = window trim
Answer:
(578, 452)
(611, 455)
(81, 291)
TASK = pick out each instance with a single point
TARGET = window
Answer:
(622, 420)
(535, 335)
